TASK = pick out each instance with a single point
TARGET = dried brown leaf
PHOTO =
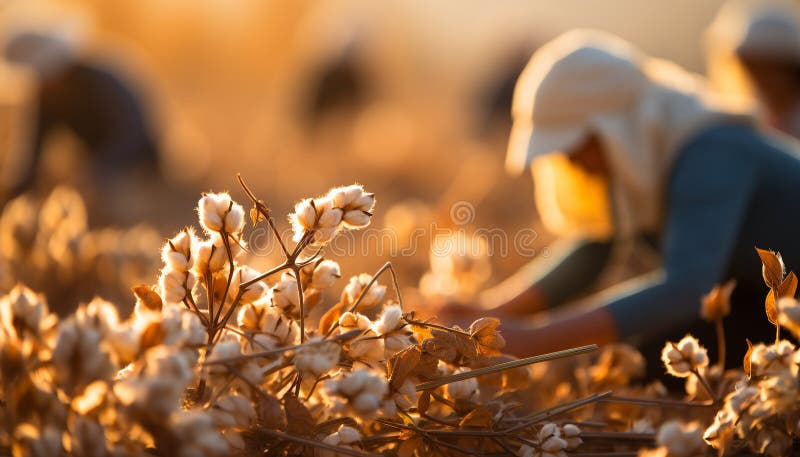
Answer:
(427, 367)
(298, 419)
(488, 339)
(152, 336)
(408, 447)
(788, 287)
(483, 326)
(424, 402)
(330, 318)
(270, 414)
(450, 347)
(311, 298)
(717, 303)
(255, 215)
(403, 364)
(771, 307)
(148, 297)
(772, 268)
(746, 363)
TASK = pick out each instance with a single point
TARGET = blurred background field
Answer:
(409, 98)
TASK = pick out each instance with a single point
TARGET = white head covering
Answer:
(45, 53)
(771, 32)
(641, 108)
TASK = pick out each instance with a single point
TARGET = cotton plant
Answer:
(219, 358)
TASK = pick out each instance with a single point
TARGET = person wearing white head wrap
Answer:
(770, 54)
(93, 100)
(620, 146)
(754, 52)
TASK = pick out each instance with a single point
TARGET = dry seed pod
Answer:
(717, 303)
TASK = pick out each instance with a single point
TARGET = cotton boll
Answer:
(232, 411)
(195, 432)
(789, 314)
(348, 434)
(371, 298)
(305, 214)
(194, 333)
(571, 434)
(463, 390)
(366, 403)
(684, 357)
(350, 321)
(328, 215)
(284, 329)
(78, 357)
(389, 320)
(325, 274)
(356, 218)
(343, 197)
(771, 359)
(284, 294)
(254, 291)
(173, 285)
(365, 203)
(177, 252)
(23, 311)
(250, 315)
(234, 219)
(210, 256)
(681, 440)
(212, 209)
(367, 348)
(317, 359)
(258, 342)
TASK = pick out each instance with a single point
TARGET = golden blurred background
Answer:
(408, 97)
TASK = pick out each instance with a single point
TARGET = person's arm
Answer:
(549, 282)
(708, 200)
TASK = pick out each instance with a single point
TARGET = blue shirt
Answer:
(731, 188)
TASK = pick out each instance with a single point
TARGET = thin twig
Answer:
(505, 366)
(261, 208)
(436, 326)
(705, 384)
(663, 402)
(720, 344)
(318, 444)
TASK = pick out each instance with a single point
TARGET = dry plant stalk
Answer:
(219, 358)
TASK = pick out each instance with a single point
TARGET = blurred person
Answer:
(339, 88)
(755, 51)
(94, 103)
(621, 147)
(770, 55)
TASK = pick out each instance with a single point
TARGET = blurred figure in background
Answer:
(770, 54)
(764, 44)
(623, 146)
(96, 105)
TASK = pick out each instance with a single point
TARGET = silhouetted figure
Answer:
(770, 54)
(340, 85)
(96, 105)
